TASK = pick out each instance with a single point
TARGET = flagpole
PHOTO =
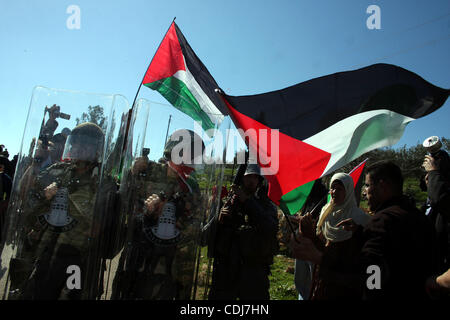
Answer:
(168, 126)
(359, 165)
(140, 85)
(290, 226)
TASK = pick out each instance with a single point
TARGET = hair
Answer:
(388, 172)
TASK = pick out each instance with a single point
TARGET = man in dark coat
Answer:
(246, 242)
(438, 187)
(437, 209)
(397, 244)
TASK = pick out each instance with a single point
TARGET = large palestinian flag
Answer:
(329, 121)
(178, 74)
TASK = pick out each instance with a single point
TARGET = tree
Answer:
(95, 115)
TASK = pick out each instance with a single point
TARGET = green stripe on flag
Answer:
(294, 201)
(177, 93)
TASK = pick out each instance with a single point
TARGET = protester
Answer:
(437, 182)
(396, 238)
(437, 208)
(333, 241)
(438, 287)
(246, 242)
(303, 270)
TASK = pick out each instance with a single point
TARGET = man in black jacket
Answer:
(438, 211)
(246, 242)
(397, 245)
(438, 187)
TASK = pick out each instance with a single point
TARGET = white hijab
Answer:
(332, 214)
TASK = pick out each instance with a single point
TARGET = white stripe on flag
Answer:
(352, 137)
(205, 103)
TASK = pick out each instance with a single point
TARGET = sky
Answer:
(249, 47)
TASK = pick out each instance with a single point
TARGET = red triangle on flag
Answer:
(356, 172)
(298, 162)
(167, 60)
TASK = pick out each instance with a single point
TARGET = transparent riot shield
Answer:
(62, 224)
(169, 173)
(233, 153)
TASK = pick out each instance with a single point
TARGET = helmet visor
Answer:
(83, 147)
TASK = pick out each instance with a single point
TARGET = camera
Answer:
(55, 112)
(434, 147)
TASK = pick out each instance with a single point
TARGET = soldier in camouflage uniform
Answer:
(60, 227)
(163, 223)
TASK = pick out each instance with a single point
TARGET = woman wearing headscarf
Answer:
(329, 236)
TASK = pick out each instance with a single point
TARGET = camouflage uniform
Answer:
(50, 248)
(141, 275)
(65, 230)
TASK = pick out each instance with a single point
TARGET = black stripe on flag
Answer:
(200, 72)
(307, 108)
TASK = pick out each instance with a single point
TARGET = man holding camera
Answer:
(437, 165)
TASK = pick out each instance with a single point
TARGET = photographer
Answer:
(437, 179)
(50, 126)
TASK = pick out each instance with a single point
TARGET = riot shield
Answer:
(169, 172)
(61, 224)
(222, 174)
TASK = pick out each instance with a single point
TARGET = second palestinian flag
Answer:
(327, 122)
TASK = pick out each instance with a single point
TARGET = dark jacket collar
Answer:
(401, 201)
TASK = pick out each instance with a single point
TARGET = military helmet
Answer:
(181, 141)
(253, 168)
(85, 142)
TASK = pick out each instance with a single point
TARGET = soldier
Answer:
(246, 242)
(163, 223)
(60, 227)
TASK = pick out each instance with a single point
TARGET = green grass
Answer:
(281, 280)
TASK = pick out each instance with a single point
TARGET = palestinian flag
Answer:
(329, 121)
(179, 76)
(356, 172)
